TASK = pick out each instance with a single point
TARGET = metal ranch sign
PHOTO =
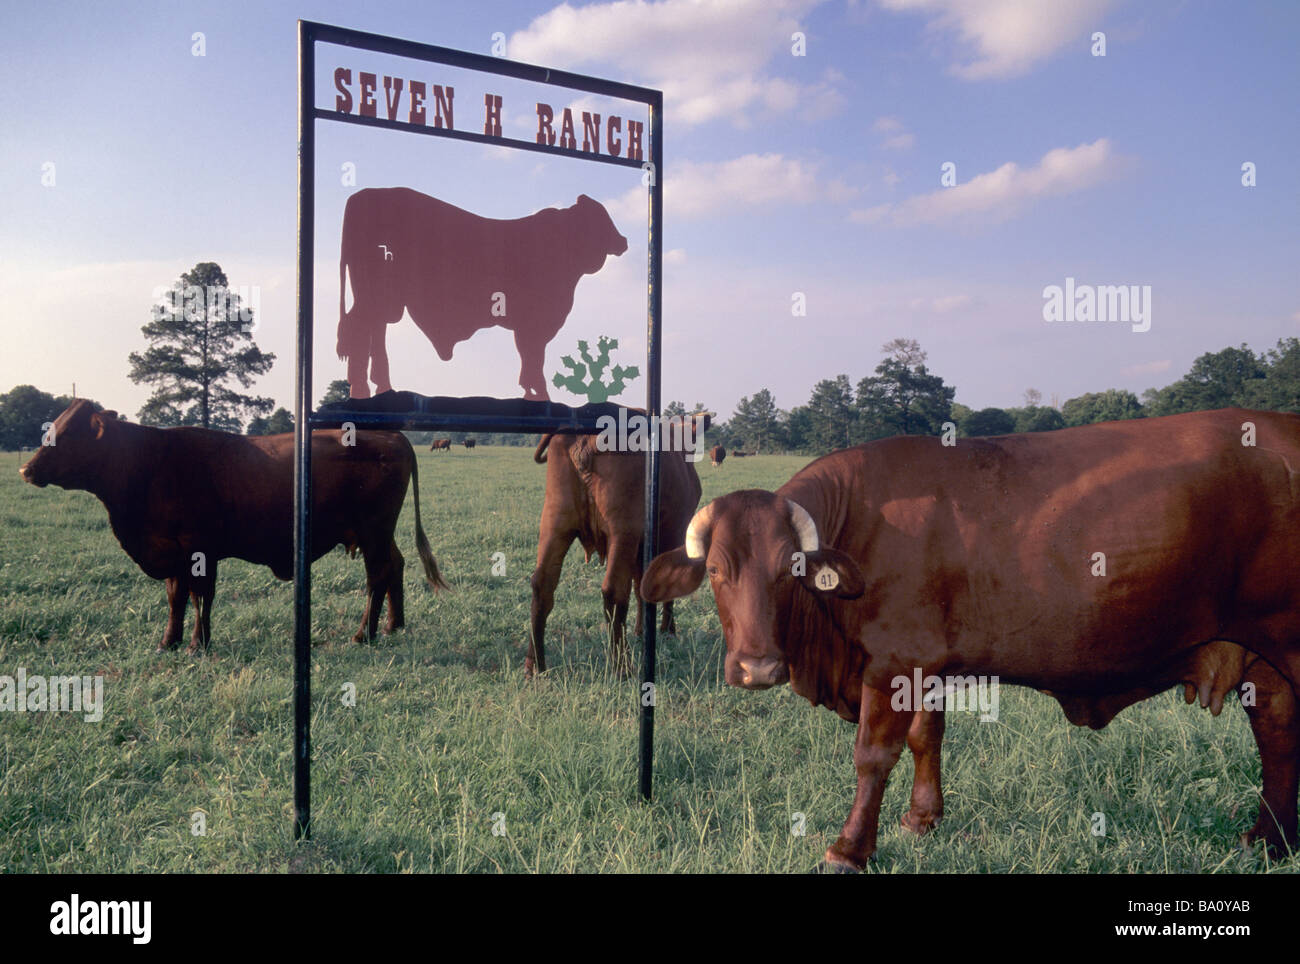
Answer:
(404, 251)
(419, 104)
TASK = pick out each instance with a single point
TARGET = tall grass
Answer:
(446, 741)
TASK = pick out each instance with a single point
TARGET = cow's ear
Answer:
(671, 575)
(98, 421)
(829, 571)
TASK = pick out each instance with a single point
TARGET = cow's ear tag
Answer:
(826, 578)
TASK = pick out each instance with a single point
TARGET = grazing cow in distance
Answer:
(739, 454)
(716, 455)
(440, 445)
(180, 499)
(598, 498)
(1100, 564)
(457, 273)
(470, 443)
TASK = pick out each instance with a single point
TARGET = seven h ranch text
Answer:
(410, 101)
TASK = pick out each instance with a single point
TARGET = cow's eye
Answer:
(713, 572)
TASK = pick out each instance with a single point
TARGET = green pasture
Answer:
(445, 733)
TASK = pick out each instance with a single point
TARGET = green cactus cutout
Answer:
(597, 391)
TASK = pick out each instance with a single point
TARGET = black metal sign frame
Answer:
(309, 35)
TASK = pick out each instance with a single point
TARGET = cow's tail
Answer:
(431, 573)
(539, 456)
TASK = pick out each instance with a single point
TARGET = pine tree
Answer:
(755, 422)
(902, 398)
(200, 340)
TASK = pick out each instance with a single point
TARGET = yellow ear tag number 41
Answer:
(827, 578)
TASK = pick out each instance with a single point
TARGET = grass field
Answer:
(445, 733)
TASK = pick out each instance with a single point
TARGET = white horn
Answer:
(697, 532)
(803, 526)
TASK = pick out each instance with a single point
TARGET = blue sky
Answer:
(817, 174)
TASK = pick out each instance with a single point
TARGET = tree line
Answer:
(201, 354)
(903, 397)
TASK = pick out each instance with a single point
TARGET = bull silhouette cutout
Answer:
(457, 273)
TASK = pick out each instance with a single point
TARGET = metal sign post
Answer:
(438, 413)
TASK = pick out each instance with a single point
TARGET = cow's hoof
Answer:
(1271, 840)
(837, 863)
(1254, 842)
(920, 822)
(834, 867)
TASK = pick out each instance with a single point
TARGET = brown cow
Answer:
(716, 455)
(598, 498)
(457, 273)
(1219, 668)
(470, 443)
(180, 499)
(440, 445)
(1100, 564)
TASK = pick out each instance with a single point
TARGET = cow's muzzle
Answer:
(23, 471)
(757, 674)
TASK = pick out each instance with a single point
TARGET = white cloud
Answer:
(942, 305)
(1148, 368)
(711, 59)
(898, 139)
(1005, 38)
(696, 188)
(1005, 192)
(951, 303)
